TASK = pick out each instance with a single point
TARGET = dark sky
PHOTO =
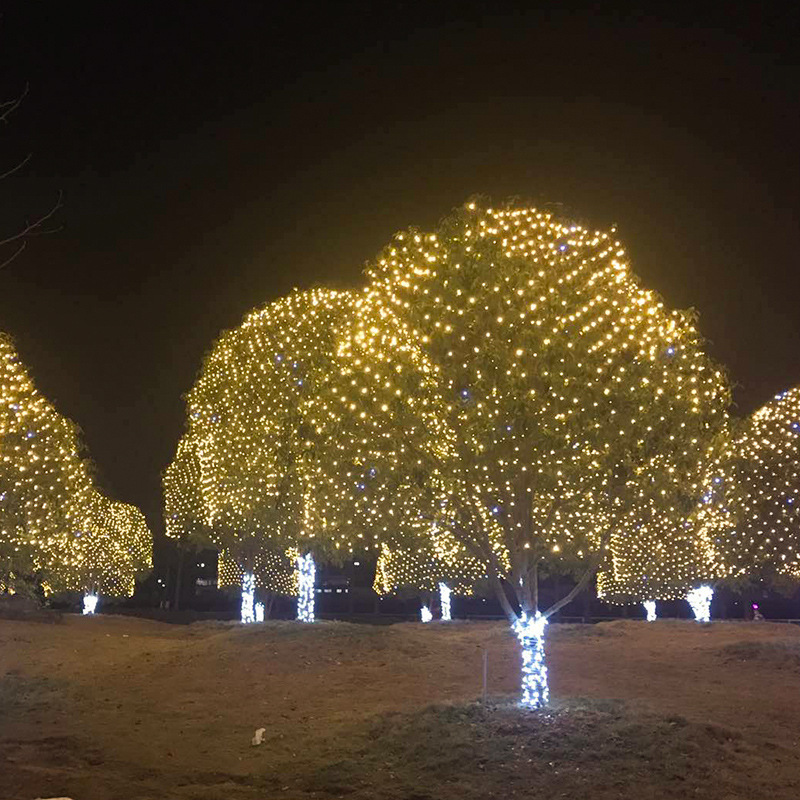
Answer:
(213, 155)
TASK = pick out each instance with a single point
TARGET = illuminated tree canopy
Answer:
(244, 475)
(53, 522)
(558, 403)
(750, 511)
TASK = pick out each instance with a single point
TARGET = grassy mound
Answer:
(598, 749)
(778, 654)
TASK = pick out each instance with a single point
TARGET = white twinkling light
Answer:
(650, 608)
(248, 594)
(89, 603)
(259, 612)
(444, 598)
(425, 614)
(306, 578)
(700, 601)
(530, 632)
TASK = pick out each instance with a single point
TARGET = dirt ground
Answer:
(110, 708)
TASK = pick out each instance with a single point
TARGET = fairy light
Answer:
(530, 632)
(306, 580)
(259, 612)
(53, 521)
(425, 614)
(650, 609)
(248, 595)
(444, 600)
(89, 604)
(750, 505)
(556, 406)
(700, 601)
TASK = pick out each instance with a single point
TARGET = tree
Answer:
(254, 442)
(555, 399)
(750, 508)
(54, 524)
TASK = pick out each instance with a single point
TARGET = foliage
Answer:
(511, 364)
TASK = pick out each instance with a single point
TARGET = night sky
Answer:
(214, 155)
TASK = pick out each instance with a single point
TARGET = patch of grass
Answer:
(782, 654)
(598, 749)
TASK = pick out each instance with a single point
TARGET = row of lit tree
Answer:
(55, 526)
(500, 399)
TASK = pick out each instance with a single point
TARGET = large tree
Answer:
(556, 399)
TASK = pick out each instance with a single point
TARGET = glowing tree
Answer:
(750, 510)
(53, 523)
(558, 398)
(254, 441)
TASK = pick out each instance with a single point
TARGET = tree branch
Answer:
(594, 565)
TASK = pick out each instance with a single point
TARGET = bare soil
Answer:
(110, 708)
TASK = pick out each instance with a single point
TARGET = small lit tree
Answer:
(556, 399)
(54, 523)
(750, 507)
(255, 446)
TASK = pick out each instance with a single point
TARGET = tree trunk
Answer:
(530, 633)
(306, 586)
(179, 578)
(248, 598)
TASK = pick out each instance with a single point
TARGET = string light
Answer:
(650, 609)
(306, 580)
(259, 612)
(425, 614)
(750, 505)
(513, 362)
(700, 601)
(248, 595)
(530, 632)
(53, 521)
(89, 604)
(444, 600)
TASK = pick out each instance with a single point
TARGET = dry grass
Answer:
(114, 708)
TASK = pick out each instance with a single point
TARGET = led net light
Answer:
(650, 608)
(259, 612)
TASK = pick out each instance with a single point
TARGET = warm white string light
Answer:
(700, 601)
(530, 632)
(650, 608)
(444, 598)
(306, 578)
(248, 595)
(90, 603)
(425, 614)
(259, 612)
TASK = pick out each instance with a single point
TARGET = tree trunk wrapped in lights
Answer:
(511, 363)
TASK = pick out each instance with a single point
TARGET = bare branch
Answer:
(33, 228)
(8, 107)
(18, 167)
